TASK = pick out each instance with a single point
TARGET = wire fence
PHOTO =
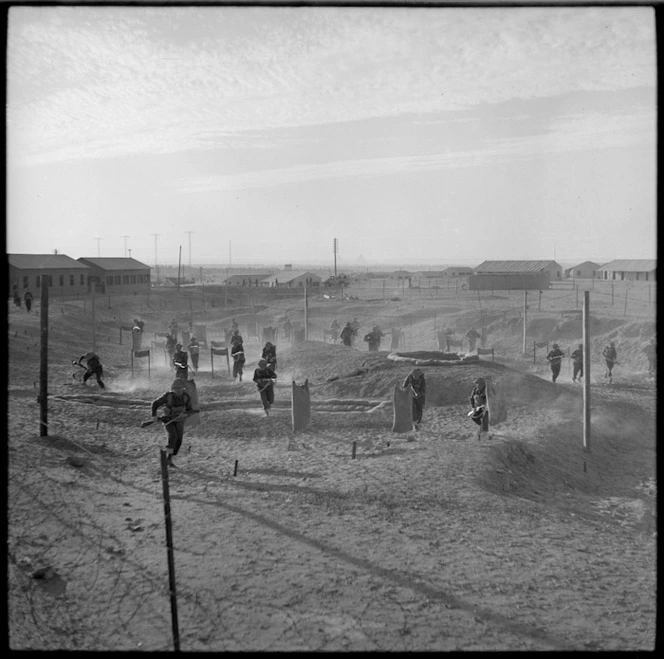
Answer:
(131, 592)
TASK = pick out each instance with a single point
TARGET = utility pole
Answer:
(125, 244)
(306, 314)
(586, 372)
(94, 324)
(156, 267)
(179, 261)
(189, 233)
(525, 318)
(43, 358)
(335, 248)
(98, 252)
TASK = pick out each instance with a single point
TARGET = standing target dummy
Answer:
(301, 406)
(403, 409)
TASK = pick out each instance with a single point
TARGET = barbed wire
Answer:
(119, 600)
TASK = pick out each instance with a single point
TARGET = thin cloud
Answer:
(84, 81)
(570, 133)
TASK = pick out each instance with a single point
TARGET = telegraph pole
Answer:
(125, 244)
(94, 324)
(43, 358)
(306, 314)
(156, 267)
(189, 233)
(525, 318)
(179, 261)
(98, 252)
(586, 372)
(335, 248)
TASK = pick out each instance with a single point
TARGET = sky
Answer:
(239, 134)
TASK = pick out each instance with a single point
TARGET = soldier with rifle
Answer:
(265, 377)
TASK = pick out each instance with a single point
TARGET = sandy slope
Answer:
(427, 540)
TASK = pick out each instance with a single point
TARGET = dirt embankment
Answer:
(343, 537)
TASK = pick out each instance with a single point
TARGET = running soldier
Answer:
(611, 358)
(194, 349)
(94, 367)
(577, 362)
(478, 401)
(555, 359)
(472, 335)
(237, 355)
(265, 377)
(270, 355)
(181, 362)
(373, 338)
(177, 407)
(347, 335)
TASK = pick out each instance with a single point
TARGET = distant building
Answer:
(585, 270)
(66, 276)
(433, 274)
(118, 274)
(246, 279)
(514, 275)
(400, 274)
(172, 282)
(292, 279)
(457, 271)
(553, 269)
(631, 269)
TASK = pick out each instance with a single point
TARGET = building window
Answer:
(71, 280)
(109, 281)
(133, 279)
(26, 281)
(62, 280)
(118, 279)
(82, 281)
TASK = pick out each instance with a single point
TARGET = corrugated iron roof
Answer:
(114, 263)
(513, 266)
(289, 275)
(247, 275)
(44, 262)
(630, 265)
(583, 266)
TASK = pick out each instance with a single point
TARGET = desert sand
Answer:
(345, 536)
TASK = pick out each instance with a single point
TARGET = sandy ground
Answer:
(427, 540)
